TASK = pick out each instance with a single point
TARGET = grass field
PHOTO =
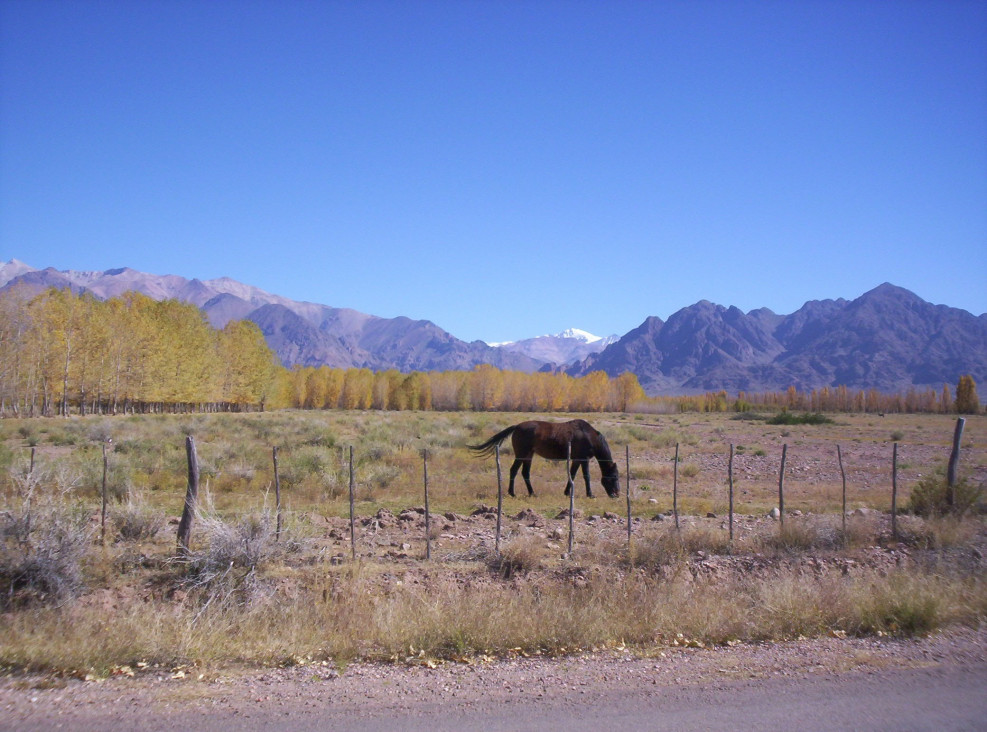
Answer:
(74, 605)
(147, 458)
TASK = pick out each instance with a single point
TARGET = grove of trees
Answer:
(62, 353)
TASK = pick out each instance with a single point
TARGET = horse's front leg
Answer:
(573, 469)
(585, 466)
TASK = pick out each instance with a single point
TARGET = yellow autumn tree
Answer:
(248, 365)
(967, 401)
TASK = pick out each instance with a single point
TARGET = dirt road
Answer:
(822, 684)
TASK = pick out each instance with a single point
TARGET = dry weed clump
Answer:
(523, 554)
(226, 568)
(663, 547)
(135, 520)
(43, 544)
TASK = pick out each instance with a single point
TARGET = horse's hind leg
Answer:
(526, 474)
(514, 468)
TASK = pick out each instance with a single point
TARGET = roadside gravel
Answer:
(525, 693)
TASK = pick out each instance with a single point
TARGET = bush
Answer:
(520, 556)
(790, 418)
(930, 496)
(135, 521)
(225, 572)
(42, 547)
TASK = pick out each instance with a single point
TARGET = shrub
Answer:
(225, 572)
(42, 546)
(135, 521)
(796, 536)
(790, 418)
(520, 556)
(930, 496)
(689, 470)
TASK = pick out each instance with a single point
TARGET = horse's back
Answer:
(551, 440)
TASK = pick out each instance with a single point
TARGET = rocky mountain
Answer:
(302, 333)
(562, 349)
(887, 339)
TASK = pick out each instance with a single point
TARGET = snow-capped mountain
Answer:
(568, 347)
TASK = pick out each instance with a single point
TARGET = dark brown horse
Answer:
(550, 440)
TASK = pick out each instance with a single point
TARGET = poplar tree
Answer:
(967, 401)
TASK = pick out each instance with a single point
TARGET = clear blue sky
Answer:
(504, 169)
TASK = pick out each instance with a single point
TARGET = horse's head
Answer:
(610, 478)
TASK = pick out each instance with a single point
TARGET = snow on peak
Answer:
(569, 334)
(579, 335)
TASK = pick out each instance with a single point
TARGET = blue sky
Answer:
(504, 169)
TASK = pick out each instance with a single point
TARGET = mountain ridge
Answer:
(888, 339)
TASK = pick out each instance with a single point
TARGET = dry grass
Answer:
(244, 598)
(350, 616)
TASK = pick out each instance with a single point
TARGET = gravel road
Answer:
(935, 683)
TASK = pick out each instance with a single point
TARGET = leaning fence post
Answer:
(781, 486)
(954, 459)
(428, 523)
(191, 496)
(675, 487)
(277, 495)
(352, 510)
(500, 498)
(730, 481)
(571, 489)
(839, 456)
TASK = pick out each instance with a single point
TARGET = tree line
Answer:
(63, 353)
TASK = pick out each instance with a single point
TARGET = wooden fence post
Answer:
(102, 517)
(781, 486)
(572, 494)
(428, 522)
(675, 486)
(277, 494)
(627, 487)
(191, 497)
(894, 492)
(954, 459)
(730, 482)
(500, 498)
(839, 456)
(352, 510)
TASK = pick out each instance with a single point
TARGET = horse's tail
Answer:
(490, 445)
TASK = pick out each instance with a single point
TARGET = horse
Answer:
(550, 440)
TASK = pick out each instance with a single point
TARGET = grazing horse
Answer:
(550, 440)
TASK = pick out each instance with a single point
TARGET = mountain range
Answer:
(887, 339)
